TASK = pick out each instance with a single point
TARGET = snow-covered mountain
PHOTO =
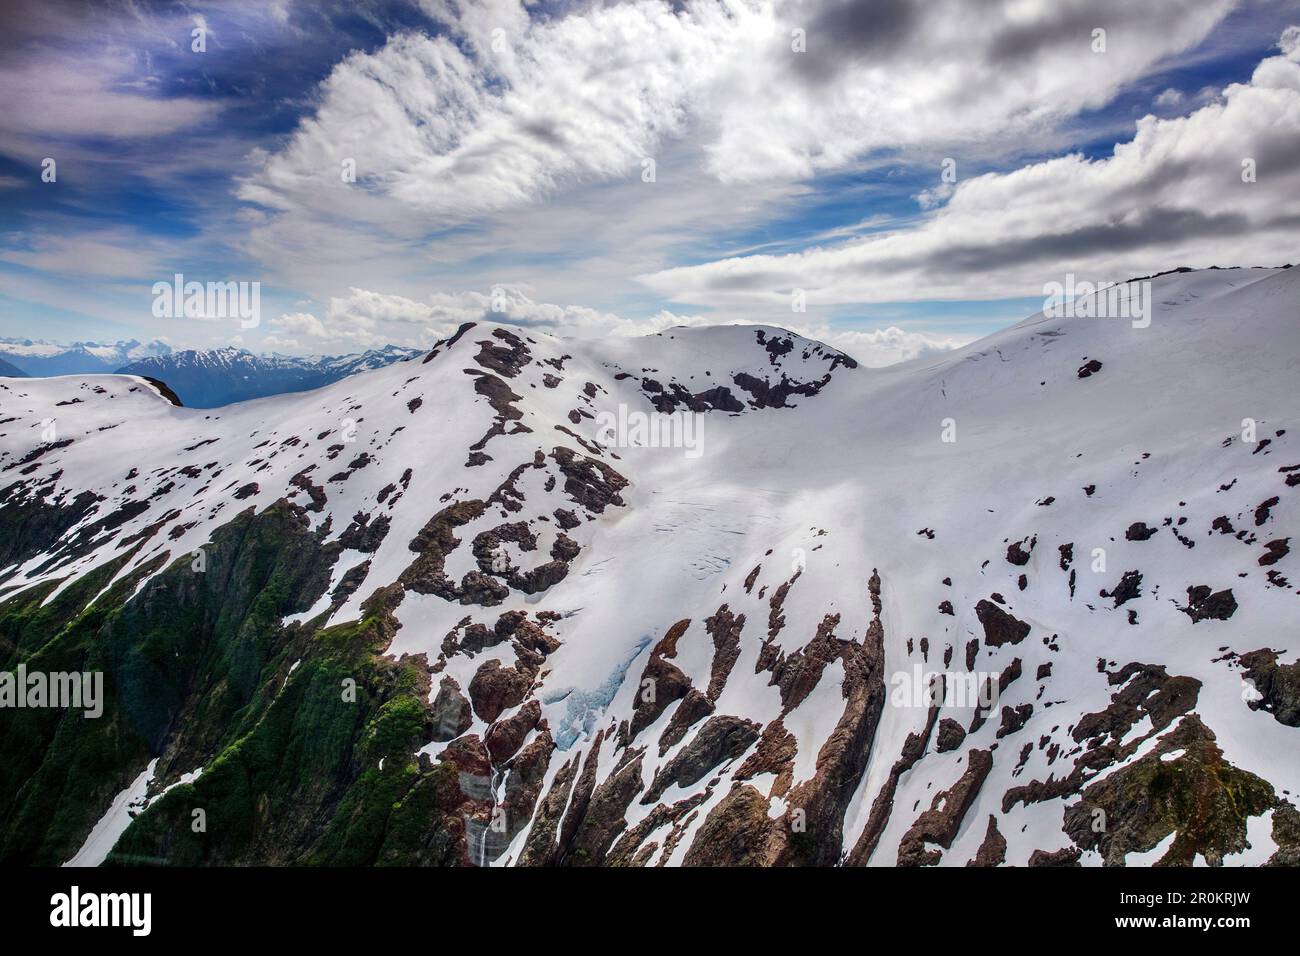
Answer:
(465, 610)
(344, 365)
(39, 358)
(207, 378)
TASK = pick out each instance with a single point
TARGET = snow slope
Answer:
(824, 543)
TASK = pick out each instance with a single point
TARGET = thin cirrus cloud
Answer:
(78, 99)
(75, 72)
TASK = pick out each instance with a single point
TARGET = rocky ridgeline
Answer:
(356, 627)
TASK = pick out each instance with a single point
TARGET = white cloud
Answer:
(115, 253)
(440, 313)
(302, 323)
(887, 346)
(366, 318)
(1174, 195)
(83, 97)
(524, 109)
(1169, 99)
(476, 147)
(1289, 44)
(454, 132)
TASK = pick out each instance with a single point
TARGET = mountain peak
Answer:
(718, 586)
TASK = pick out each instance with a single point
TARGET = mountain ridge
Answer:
(8, 370)
(570, 649)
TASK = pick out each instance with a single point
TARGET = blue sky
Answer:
(502, 148)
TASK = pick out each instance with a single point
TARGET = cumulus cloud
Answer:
(1220, 186)
(888, 346)
(444, 311)
(302, 323)
(366, 318)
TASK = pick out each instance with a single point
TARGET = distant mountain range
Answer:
(211, 377)
(40, 359)
(201, 378)
(8, 370)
